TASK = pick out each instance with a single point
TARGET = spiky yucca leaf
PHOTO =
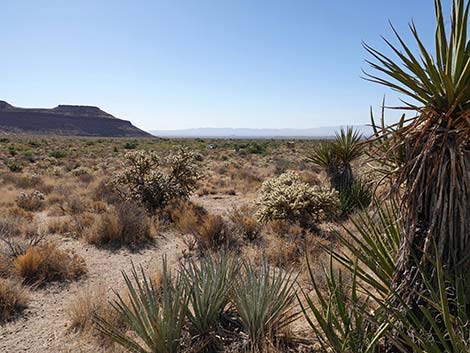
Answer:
(435, 173)
(265, 301)
(339, 316)
(209, 284)
(374, 240)
(156, 318)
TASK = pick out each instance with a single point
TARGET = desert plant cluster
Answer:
(353, 244)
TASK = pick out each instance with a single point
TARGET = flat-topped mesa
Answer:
(82, 110)
(5, 105)
(67, 120)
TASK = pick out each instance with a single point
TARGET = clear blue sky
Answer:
(197, 63)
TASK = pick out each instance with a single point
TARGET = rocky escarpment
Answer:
(68, 120)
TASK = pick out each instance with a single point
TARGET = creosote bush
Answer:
(287, 197)
(153, 181)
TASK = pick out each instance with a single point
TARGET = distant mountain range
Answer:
(67, 120)
(319, 132)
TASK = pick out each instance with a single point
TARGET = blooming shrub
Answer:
(153, 181)
(287, 197)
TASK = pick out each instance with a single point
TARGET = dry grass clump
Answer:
(186, 216)
(126, 224)
(13, 299)
(46, 263)
(213, 234)
(244, 224)
(106, 192)
(85, 306)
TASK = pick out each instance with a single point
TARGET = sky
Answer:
(180, 64)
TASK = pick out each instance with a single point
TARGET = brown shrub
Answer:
(284, 228)
(244, 224)
(186, 216)
(60, 225)
(126, 224)
(106, 192)
(213, 234)
(13, 299)
(46, 263)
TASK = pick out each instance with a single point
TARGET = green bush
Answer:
(57, 154)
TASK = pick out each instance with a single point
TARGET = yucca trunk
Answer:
(341, 177)
(436, 205)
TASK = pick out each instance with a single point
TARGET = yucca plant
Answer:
(265, 300)
(209, 285)
(358, 197)
(440, 323)
(154, 317)
(435, 173)
(373, 240)
(346, 315)
(336, 157)
(339, 316)
(384, 145)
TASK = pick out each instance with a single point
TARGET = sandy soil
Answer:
(44, 326)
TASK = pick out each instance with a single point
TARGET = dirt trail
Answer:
(43, 329)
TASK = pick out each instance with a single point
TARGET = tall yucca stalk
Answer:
(435, 170)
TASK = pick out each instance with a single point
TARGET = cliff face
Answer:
(69, 120)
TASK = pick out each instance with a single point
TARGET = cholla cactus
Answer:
(30, 202)
(287, 197)
(153, 181)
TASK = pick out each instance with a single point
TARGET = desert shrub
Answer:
(80, 171)
(13, 299)
(153, 181)
(265, 300)
(57, 154)
(244, 224)
(14, 167)
(286, 197)
(154, 316)
(60, 225)
(33, 201)
(106, 192)
(213, 233)
(47, 263)
(131, 145)
(186, 216)
(29, 182)
(126, 224)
